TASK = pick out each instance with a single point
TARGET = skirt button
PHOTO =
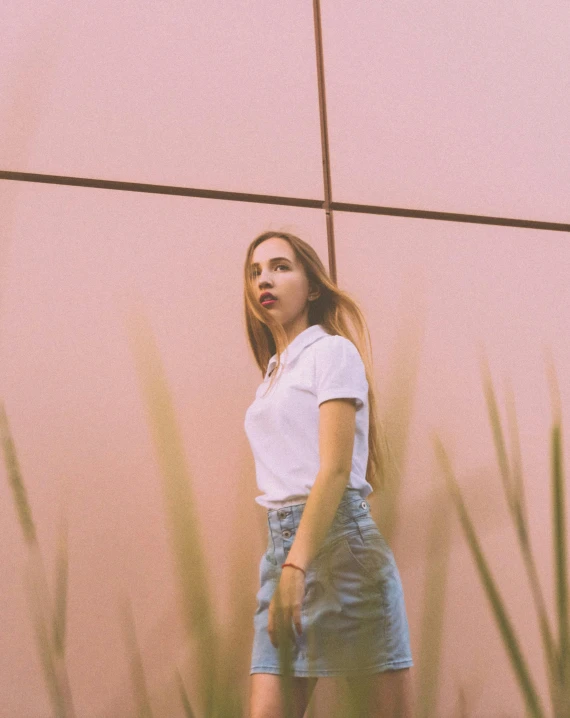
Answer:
(282, 514)
(286, 534)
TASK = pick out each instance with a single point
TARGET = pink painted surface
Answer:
(453, 108)
(223, 96)
(456, 106)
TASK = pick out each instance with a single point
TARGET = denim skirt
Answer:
(353, 615)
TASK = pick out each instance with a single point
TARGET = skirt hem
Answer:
(323, 673)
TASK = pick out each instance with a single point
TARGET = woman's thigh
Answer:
(266, 695)
(382, 695)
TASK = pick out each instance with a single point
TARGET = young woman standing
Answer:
(328, 580)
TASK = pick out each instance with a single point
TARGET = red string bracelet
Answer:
(293, 565)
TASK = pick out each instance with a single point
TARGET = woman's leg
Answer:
(266, 700)
(383, 695)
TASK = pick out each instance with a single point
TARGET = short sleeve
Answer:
(339, 371)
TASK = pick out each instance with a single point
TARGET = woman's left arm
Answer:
(337, 422)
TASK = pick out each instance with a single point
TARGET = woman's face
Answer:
(275, 269)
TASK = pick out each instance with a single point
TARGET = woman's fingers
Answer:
(281, 619)
(297, 618)
(284, 617)
(277, 624)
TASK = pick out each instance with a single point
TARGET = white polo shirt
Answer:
(283, 426)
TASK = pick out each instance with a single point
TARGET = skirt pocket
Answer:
(369, 551)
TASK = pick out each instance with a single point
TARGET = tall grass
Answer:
(556, 654)
(213, 679)
(194, 593)
(437, 564)
(190, 560)
(400, 396)
(214, 693)
(48, 616)
(138, 680)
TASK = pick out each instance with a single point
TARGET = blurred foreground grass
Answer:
(212, 688)
(556, 649)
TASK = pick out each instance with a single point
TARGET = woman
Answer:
(330, 601)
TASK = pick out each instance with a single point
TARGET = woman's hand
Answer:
(285, 606)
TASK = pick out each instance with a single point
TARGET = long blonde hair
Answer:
(331, 309)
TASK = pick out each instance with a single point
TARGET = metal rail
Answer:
(327, 182)
(277, 200)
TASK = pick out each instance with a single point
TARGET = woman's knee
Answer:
(387, 694)
(267, 699)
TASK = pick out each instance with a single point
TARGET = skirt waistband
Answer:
(283, 522)
(350, 494)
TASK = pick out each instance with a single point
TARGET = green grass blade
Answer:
(16, 482)
(188, 712)
(438, 551)
(498, 437)
(521, 523)
(517, 473)
(138, 681)
(518, 663)
(514, 491)
(61, 581)
(562, 705)
(55, 672)
(48, 664)
(182, 514)
(235, 658)
(385, 511)
(549, 646)
(401, 388)
(560, 558)
(285, 650)
(53, 664)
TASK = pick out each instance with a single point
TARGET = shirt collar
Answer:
(294, 348)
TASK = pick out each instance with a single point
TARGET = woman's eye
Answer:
(255, 272)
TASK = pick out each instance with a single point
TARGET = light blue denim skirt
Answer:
(353, 615)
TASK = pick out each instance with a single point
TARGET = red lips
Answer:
(266, 296)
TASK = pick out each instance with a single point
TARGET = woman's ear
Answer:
(314, 293)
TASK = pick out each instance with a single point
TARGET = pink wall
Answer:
(460, 109)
